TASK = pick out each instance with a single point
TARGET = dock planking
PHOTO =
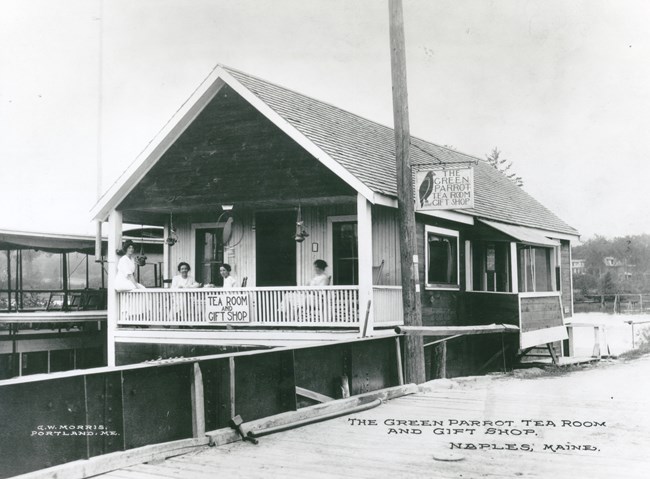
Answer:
(609, 394)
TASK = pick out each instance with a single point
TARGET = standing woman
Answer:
(125, 280)
(228, 281)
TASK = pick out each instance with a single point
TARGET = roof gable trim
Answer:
(163, 140)
(297, 136)
(184, 117)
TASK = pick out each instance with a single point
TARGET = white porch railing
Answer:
(327, 306)
(387, 309)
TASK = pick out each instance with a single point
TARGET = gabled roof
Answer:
(360, 151)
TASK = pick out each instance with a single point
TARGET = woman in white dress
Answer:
(184, 279)
(228, 281)
(125, 279)
(320, 276)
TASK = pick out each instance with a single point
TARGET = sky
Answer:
(561, 88)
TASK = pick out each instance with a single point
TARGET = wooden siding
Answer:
(540, 313)
(242, 256)
(565, 277)
(231, 154)
(488, 308)
(440, 307)
(385, 246)
(315, 218)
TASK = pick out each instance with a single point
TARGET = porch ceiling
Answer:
(231, 154)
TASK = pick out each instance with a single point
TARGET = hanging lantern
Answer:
(301, 233)
(172, 239)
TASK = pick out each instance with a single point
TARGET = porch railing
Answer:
(327, 306)
(387, 309)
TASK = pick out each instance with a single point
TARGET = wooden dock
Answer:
(607, 434)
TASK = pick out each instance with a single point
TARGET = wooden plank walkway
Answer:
(610, 401)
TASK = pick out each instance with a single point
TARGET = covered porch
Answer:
(237, 187)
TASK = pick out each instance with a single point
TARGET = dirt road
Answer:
(587, 424)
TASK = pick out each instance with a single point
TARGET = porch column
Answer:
(364, 232)
(113, 306)
(166, 254)
(514, 275)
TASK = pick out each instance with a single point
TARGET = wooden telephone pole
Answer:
(413, 349)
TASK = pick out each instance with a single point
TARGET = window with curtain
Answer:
(441, 262)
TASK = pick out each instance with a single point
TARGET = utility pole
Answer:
(413, 349)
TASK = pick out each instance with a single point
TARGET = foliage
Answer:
(608, 285)
(632, 258)
(502, 165)
(585, 283)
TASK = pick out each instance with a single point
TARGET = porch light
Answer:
(226, 207)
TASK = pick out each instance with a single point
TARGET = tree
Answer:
(503, 166)
(608, 285)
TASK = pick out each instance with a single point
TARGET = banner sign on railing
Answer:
(228, 307)
(444, 188)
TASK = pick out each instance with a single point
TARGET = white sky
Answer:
(561, 87)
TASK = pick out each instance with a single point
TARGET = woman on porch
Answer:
(320, 277)
(184, 279)
(125, 279)
(228, 281)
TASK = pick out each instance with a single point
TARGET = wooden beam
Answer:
(453, 330)
(198, 407)
(113, 311)
(313, 395)
(364, 238)
(117, 460)
(231, 378)
(400, 369)
(310, 412)
(414, 352)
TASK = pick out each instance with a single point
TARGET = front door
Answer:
(345, 252)
(275, 248)
(209, 256)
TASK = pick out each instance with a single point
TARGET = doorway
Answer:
(345, 253)
(209, 256)
(275, 248)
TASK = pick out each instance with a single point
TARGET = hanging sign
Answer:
(444, 189)
(228, 307)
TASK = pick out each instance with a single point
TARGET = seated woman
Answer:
(320, 277)
(228, 281)
(296, 302)
(184, 279)
(124, 280)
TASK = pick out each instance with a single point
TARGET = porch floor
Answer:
(240, 337)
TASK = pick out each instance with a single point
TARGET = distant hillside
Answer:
(618, 265)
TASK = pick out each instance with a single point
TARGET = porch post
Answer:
(114, 243)
(364, 232)
(513, 268)
(166, 253)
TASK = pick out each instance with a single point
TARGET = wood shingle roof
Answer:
(366, 150)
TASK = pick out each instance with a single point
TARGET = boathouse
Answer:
(269, 180)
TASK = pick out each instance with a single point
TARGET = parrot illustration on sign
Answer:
(426, 187)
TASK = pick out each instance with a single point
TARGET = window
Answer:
(535, 268)
(441, 258)
(345, 259)
(491, 266)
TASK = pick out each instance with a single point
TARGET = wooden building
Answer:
(245, 168)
